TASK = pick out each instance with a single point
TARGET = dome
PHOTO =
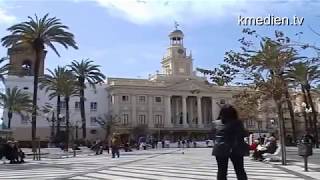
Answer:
(176, 33)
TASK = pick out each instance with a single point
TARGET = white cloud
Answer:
(155, 11)
(148, 11)
(5, 17)
(192, 11)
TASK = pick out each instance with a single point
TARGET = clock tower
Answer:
(176, 62)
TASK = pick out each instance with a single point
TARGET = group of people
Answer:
(12, 152)
(260, 148)
(186, 143)
(98, 146)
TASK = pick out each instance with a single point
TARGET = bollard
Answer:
(74, 150)
(39, 146)
(305, 163)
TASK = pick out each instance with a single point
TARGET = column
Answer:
(191, 110)
(199, 111)
(184, 111)
(134, 110)
(214, 109)
(150, 113)
(167, 121)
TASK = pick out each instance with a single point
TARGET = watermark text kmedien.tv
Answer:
(270, 20)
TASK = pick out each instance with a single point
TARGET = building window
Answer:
(125, 119)
(250, 123)
(142, 119)
(62, 104)
(25, 119)
(142, 99)
(125, 98)
(158, 99)
(93, 121)
(158, 121)
(77, 105)
(93, 106)
(222, 101)
(111, 99)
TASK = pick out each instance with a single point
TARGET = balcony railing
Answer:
(159, 125)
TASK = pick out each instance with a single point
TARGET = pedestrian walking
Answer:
(229, 143)
(115, 144)
(183, 143)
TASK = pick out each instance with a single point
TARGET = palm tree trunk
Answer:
(314, 113)
(38, 51)
(82, 109)
(9, 119)
(282, 132)
(291, 112)
(67, 122)
(52, 126)
(304, 111)
(58, 116)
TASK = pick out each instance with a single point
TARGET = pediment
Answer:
(190, 85)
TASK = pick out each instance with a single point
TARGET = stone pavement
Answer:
(143, 165)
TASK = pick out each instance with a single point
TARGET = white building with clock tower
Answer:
(173, 104)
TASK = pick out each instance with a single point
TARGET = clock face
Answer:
(180, 51)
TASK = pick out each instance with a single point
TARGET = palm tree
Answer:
(15, 101)
(4, 68)
(39, 33)
(305, 74)
(53, 83)
(86, 71)
(291, 112)
(69, 88)
(268, 65)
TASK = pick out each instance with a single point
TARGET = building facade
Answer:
(175, 103)
(21, 75)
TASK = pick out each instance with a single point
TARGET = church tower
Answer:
(176, 62)
(22, 60)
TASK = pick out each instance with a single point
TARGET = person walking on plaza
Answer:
(229, 143)
(115, 144)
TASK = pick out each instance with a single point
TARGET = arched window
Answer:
(26, 67)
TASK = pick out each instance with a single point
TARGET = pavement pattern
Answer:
(162, 164)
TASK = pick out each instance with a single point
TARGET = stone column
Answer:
(150, 112)
(191, 110)
(199, 111)
(184, 111)
(134, 110)
(214, 109)
(167, 121)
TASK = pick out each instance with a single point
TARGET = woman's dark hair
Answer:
(228, 113)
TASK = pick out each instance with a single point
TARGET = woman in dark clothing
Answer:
(229, 143)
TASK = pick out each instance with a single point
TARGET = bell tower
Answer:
(22, 60)
(176, 62)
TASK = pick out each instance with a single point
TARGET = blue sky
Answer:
(129, 37)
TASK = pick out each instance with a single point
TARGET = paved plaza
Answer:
(150, 164)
